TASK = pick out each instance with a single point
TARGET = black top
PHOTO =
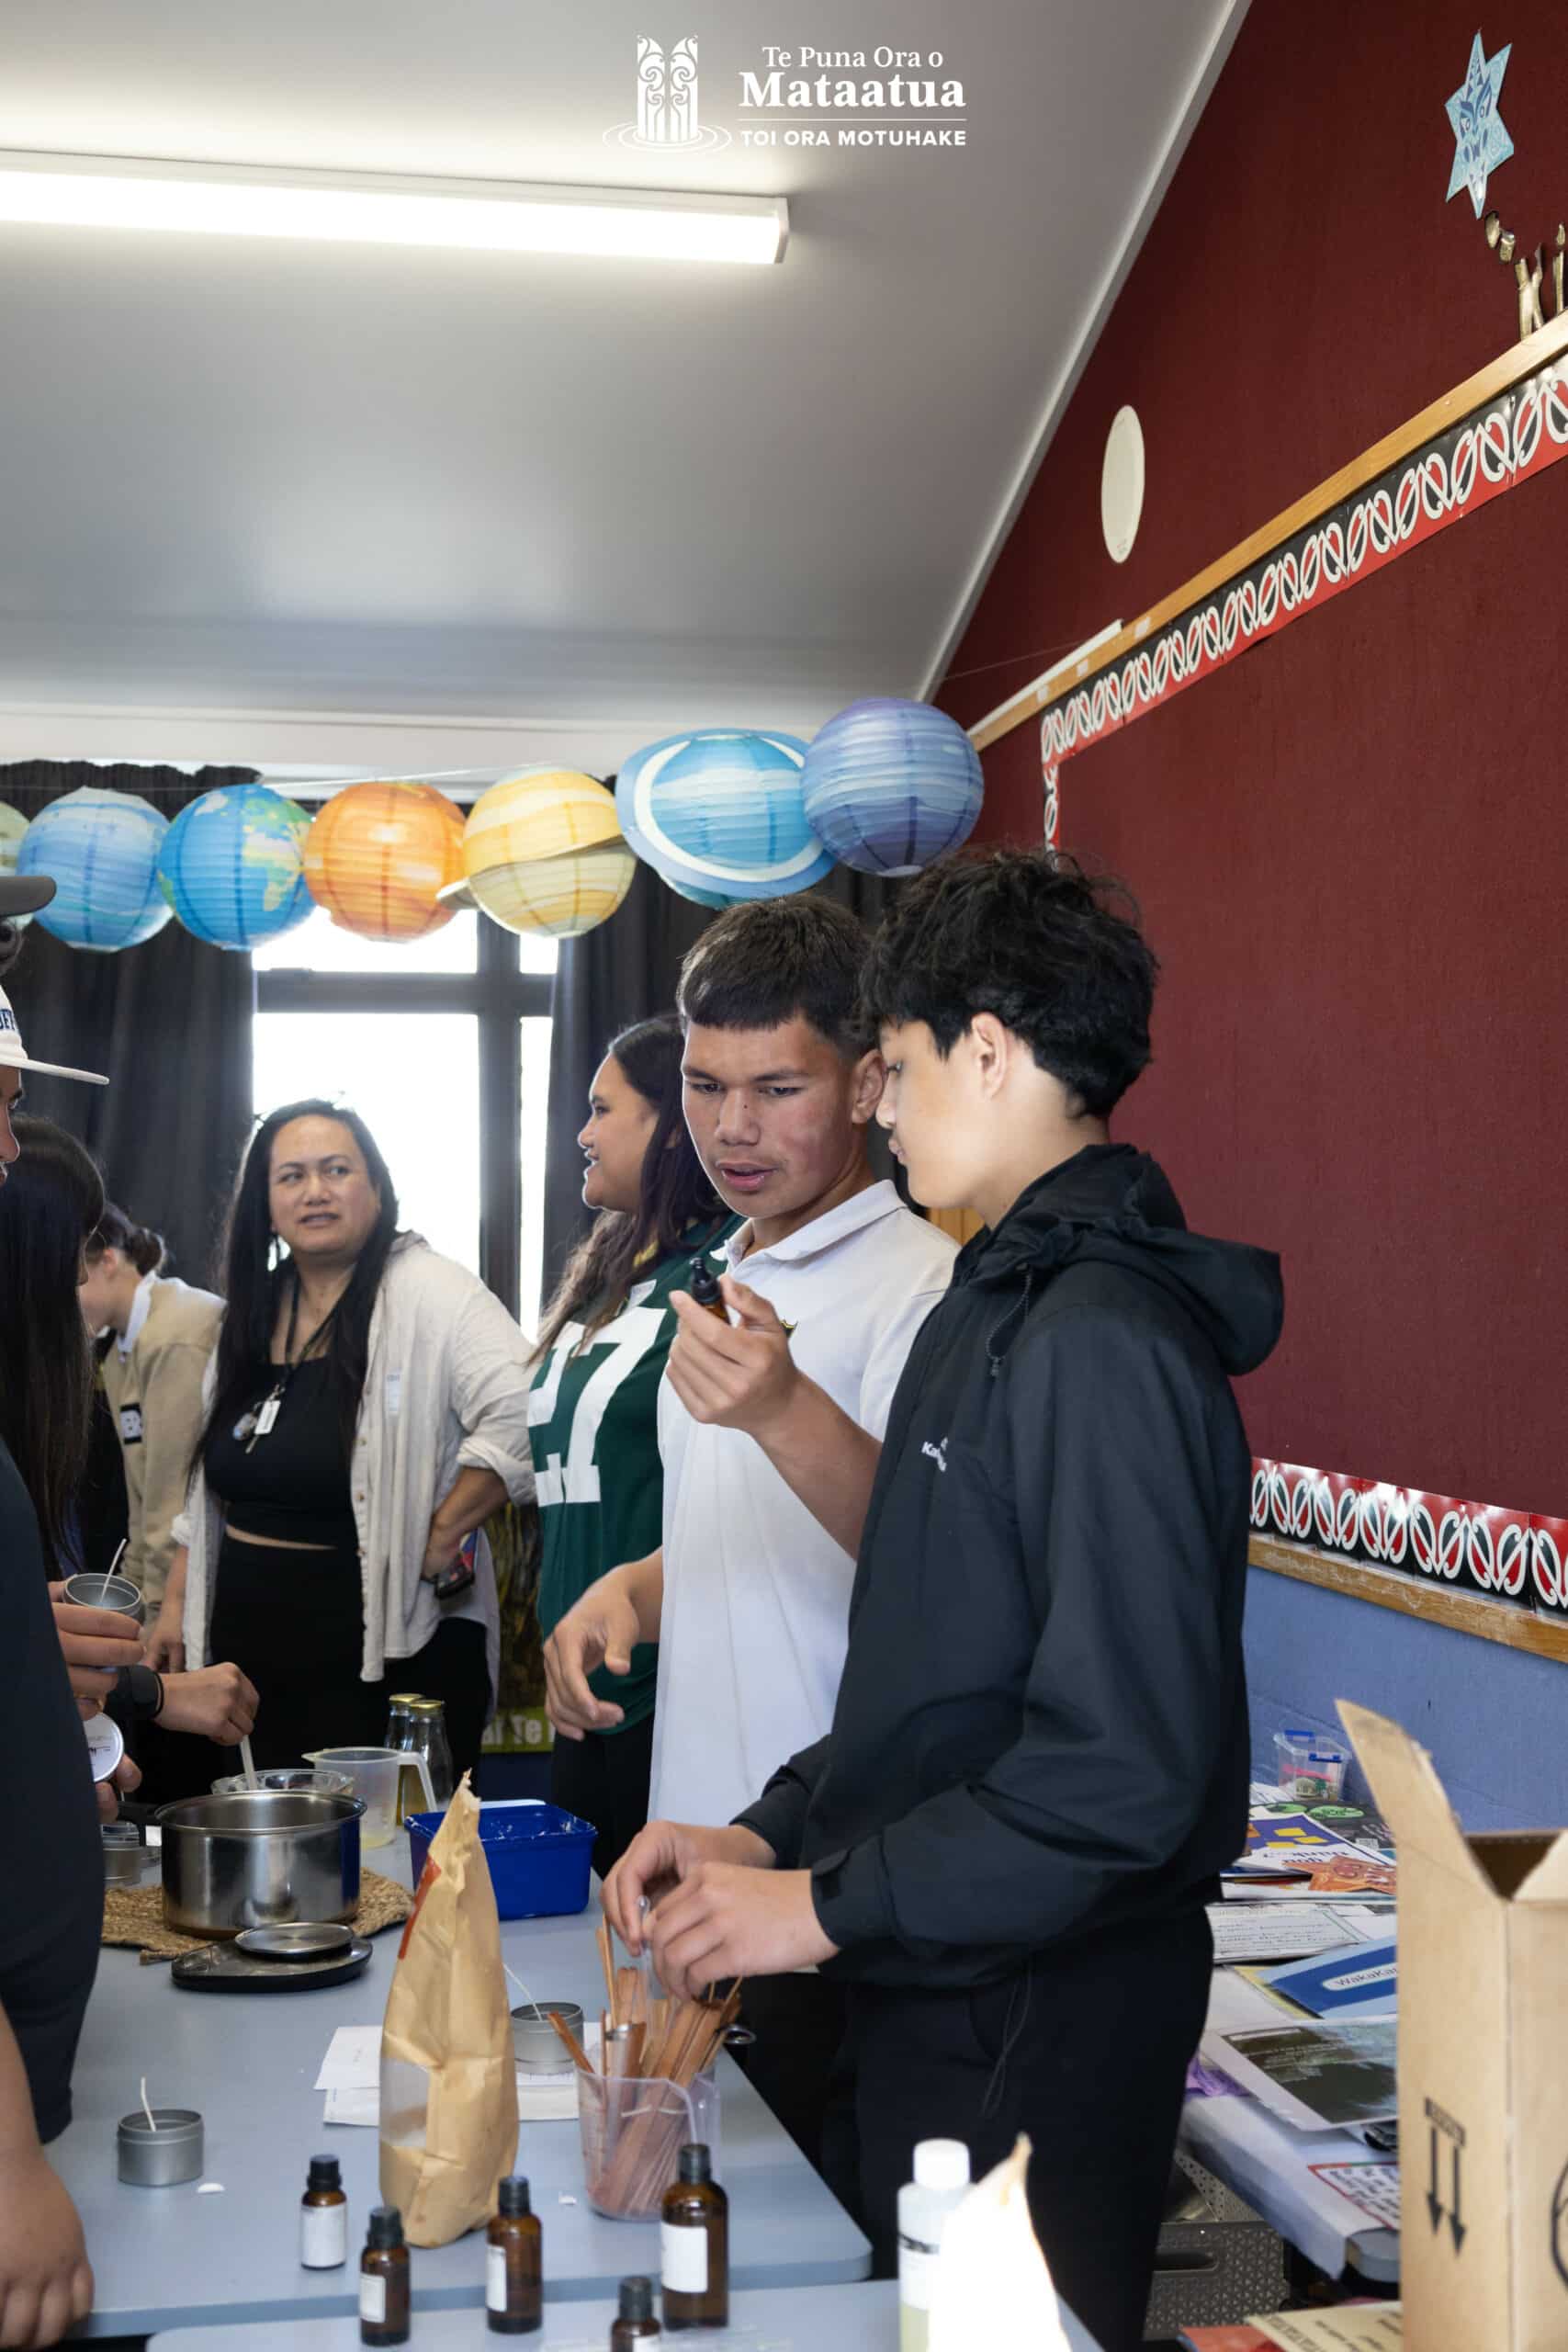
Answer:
(54, 1911)
(1042, 1726)
(292, 1484)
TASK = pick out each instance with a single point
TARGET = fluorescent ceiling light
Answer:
(372, 208)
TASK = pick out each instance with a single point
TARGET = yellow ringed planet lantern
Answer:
(543, 850)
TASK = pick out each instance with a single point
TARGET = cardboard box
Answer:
(1483, 2064)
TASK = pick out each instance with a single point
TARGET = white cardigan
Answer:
(445, 1389)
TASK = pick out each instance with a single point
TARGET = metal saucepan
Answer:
(259, 1860)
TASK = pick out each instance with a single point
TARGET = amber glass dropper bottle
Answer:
(694, 2245)
(635, 2323)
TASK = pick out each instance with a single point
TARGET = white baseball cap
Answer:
(14, 1056)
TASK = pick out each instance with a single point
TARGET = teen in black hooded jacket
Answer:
(1038, 1762)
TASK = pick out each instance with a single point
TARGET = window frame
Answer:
(500, 996)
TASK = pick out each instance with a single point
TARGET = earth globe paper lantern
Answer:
(543, 852)
(379, 856)
(232, 865)
(720, 811)
(890, 785)
(13, 825)
(102, 849)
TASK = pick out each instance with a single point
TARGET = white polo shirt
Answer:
(755, 1621)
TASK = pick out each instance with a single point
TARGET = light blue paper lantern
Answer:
(102, 849)
(890, 785)
(717, 814)
(232, 865)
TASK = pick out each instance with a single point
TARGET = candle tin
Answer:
(159, 2159)
(539, 2047)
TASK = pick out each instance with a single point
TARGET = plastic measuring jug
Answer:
(374, 1774)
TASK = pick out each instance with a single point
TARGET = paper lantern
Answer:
(543, 852)
(232, 865)
(379, 856)
(13, 825)
(721, 811)
(890, 785)
(102, 849)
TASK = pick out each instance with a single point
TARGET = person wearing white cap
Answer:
(48, 1949)
(23, 894)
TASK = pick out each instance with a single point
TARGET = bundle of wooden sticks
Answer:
(647, 2042)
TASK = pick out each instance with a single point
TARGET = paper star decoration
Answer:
(1481, 143)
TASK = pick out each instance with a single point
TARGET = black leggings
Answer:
(603, 1778)
(293, 1623)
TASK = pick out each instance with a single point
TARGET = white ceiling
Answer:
(364, 507)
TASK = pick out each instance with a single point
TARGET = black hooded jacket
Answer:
(1042, 1726)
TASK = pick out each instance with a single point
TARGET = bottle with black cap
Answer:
(636, 2322)
(694, 2245)
(513, 2263)
(384, 2280)
(323, 2217)
(705, 1292)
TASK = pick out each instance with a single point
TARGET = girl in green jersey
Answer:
(594, 1421)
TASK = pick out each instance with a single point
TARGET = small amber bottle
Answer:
(706, 1290)
(384, 2280)
(694, 2245)
(636, 2322)
(514, 2292)
(323, 2217)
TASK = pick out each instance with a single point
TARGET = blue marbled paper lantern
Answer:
(890, 785)
(719, 811)
(232, 865)
(102, 849)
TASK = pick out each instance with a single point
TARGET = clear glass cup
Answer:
(632, 2132)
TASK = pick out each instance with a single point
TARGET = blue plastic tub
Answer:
(540, 1858)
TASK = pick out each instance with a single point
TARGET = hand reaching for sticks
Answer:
(720, 1909)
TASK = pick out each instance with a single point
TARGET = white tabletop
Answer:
(1269, 2164)
(175, 2258)
(789, 2319)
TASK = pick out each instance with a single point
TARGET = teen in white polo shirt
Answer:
(748, 1595)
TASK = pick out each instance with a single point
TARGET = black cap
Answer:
(23, 894)
(385, 2226)
(704, 1283)
(695, 2164)
(513, 2195)
(637, 2299)
(325, 2173)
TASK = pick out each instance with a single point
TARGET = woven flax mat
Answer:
(134, 1916)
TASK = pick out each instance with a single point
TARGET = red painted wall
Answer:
(1350, 846)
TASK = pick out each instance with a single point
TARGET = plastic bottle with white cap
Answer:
(942, 2179)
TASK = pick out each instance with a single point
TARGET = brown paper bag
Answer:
(449, 2076)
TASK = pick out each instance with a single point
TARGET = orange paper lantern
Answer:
(379, 856)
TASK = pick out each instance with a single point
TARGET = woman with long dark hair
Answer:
(594, 1408)
(54, 1197)
(53, 1203)
(368, 1411)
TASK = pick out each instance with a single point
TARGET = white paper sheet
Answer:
(1263, 1931)
(353, 2059)
(350, 2077)
(1371, 2187)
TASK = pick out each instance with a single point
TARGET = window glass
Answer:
(319, 945)
(414, 1079)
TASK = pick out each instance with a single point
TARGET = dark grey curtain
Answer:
(624, 971)
(170, 1022)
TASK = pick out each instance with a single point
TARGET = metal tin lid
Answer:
(177, 2126)
(105, 1746)
(427, 1707)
